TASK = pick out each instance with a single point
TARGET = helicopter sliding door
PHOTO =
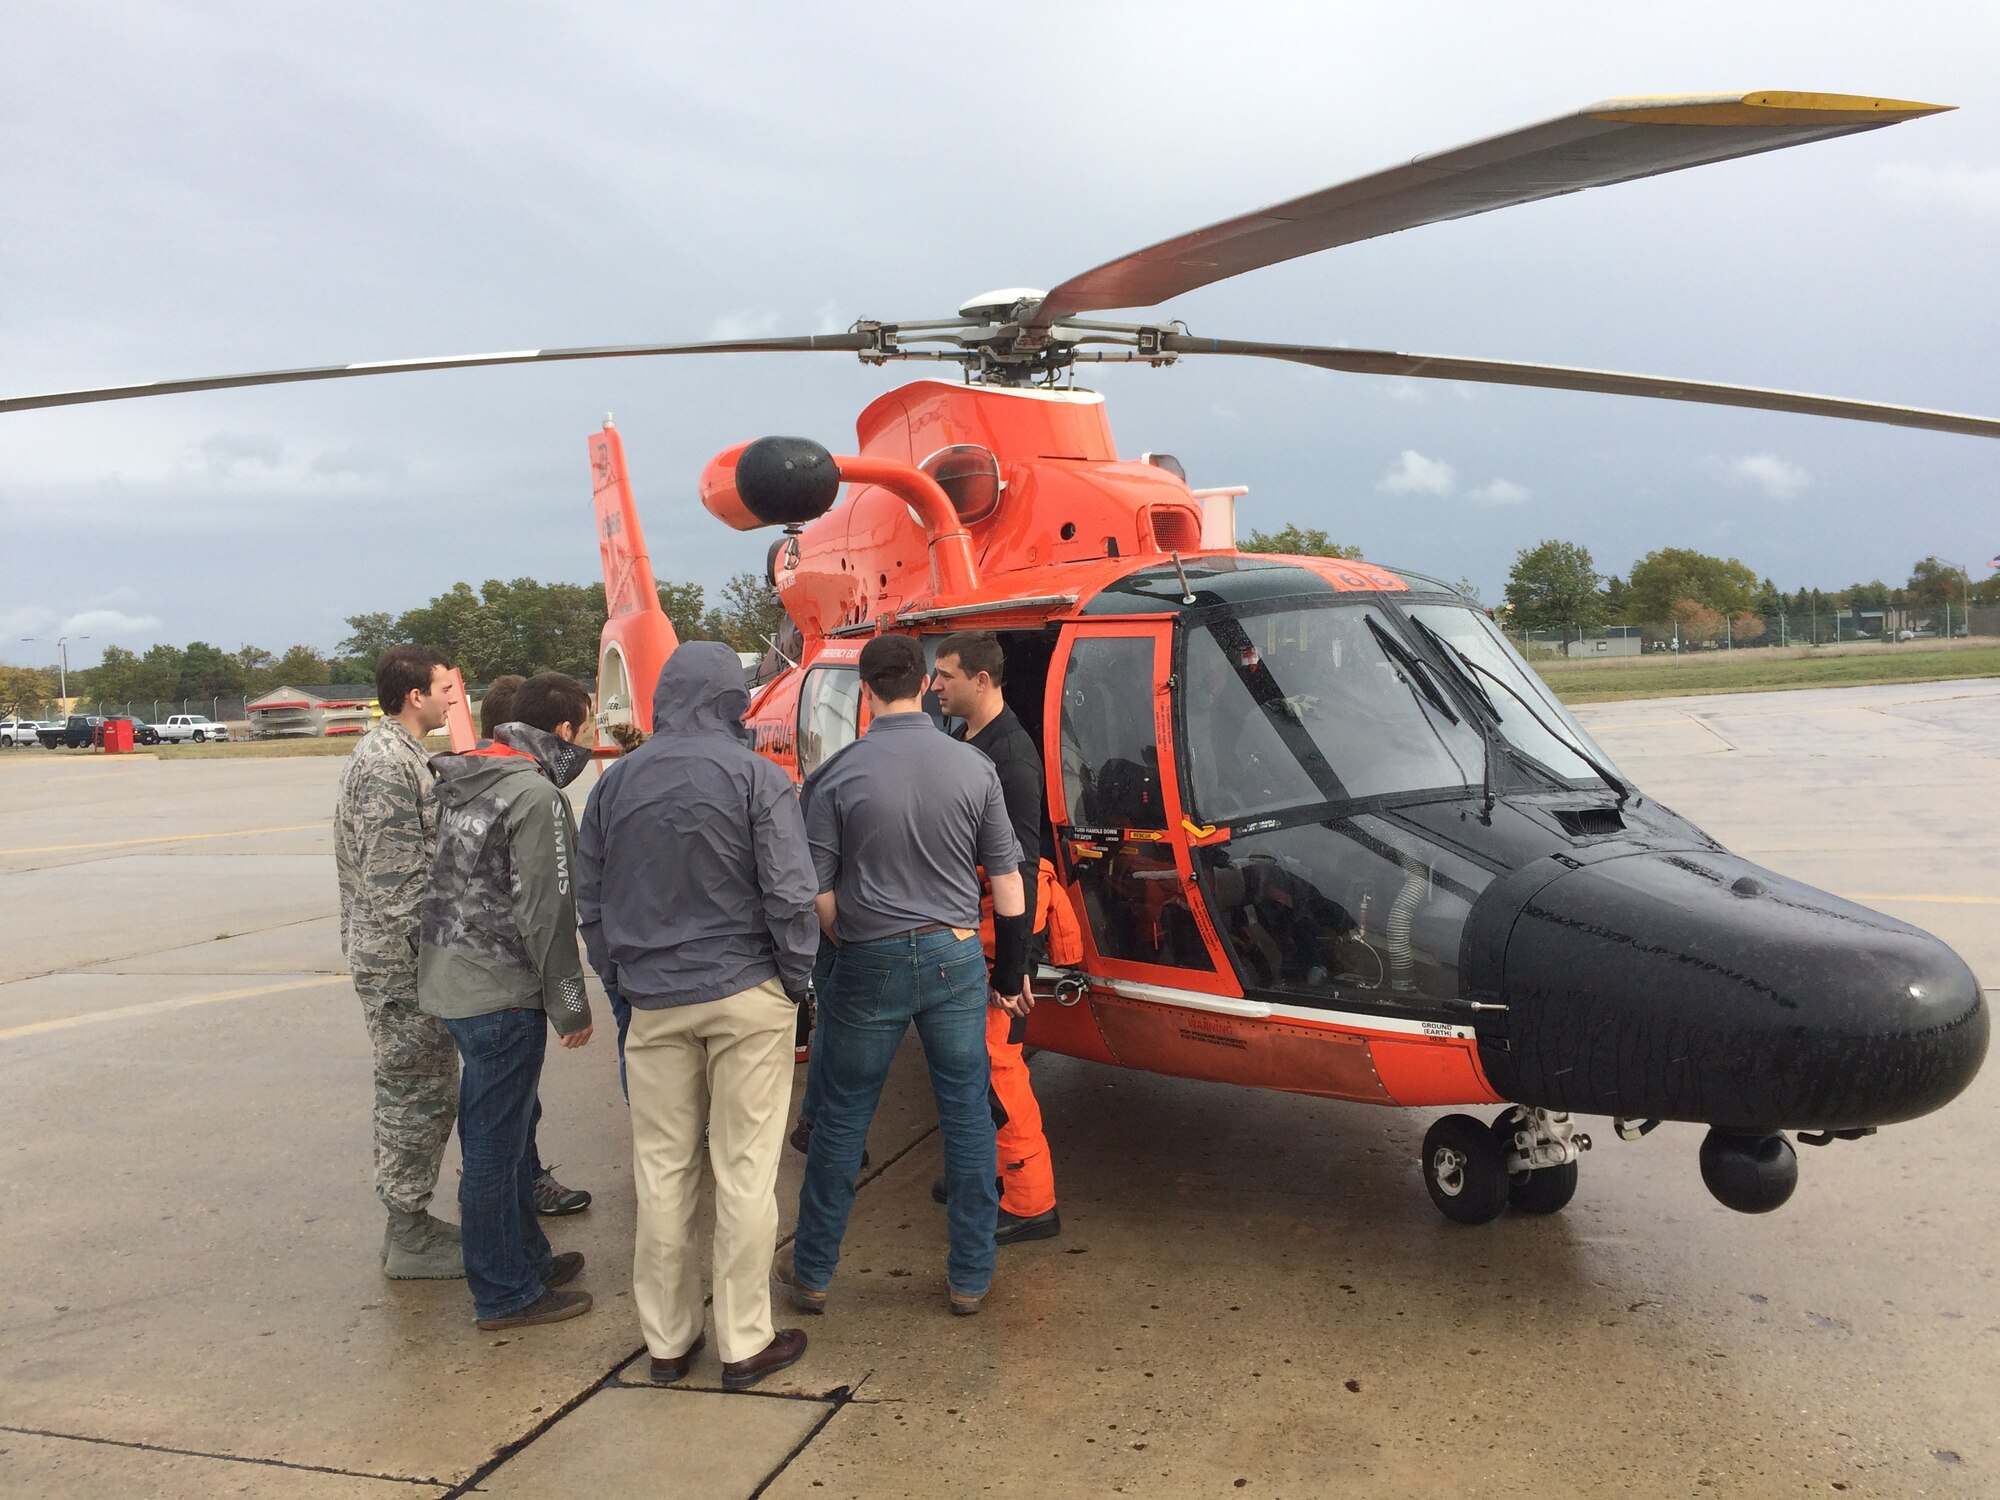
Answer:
(1114, 803)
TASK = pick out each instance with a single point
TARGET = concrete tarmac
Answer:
(1252, 1294)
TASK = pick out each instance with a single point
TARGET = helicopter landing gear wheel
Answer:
(1540, 1147)
(1535, 1190)
(1465, 1170)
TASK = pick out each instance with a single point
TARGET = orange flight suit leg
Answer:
(1027, 1180)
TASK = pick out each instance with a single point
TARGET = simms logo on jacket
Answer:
(562, 850)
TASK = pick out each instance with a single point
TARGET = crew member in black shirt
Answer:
(967, 680)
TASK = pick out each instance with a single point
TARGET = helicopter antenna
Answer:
(1187, 594)
(781, 653)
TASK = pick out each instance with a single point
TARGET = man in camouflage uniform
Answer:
(384, 836)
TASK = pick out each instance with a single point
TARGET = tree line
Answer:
(523, 626)
(1556, 586)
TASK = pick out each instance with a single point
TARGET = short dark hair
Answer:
(551, 698)
(403, 670)
(893, 665)
(497, 706)
(977, 651)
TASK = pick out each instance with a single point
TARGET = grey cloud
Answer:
(244, 193)
(226, 452)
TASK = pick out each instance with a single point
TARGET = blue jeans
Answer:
(938, 982)
(621, 1012)
(823, 991)
(506, 1253)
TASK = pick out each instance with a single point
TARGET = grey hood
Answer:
(701, 691)
(693, 877)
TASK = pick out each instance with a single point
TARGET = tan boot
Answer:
(417, 1247)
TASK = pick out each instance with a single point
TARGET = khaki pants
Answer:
(728, 1062)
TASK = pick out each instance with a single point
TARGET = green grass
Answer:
(1766, 672)
(255, 749)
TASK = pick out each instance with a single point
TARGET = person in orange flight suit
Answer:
(967, 682)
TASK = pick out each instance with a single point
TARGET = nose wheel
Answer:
(1525, 1159)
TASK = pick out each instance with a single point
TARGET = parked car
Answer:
(180, 728)
(82, 731)
(19, 732)
(142, 732)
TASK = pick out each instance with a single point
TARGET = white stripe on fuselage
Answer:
(1264, 1010)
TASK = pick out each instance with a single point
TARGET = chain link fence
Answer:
(227, 709)
(1707, 630)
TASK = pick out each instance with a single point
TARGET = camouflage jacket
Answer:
(499, 919)
(384, 834)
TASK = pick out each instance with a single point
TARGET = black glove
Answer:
(1010, 952)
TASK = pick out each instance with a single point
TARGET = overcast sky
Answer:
(191, 189)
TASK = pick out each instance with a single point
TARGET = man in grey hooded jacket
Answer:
(498, 965)
(695, 892)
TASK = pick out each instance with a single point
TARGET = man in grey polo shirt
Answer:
(899, 824)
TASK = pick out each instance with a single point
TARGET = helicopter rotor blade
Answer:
(1618, 140)
(1604, 382)
(834, 342)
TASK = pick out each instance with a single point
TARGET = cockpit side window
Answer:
(1110, 758)
(829, 714)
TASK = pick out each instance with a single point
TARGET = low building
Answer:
(1617, 640)
(288, 712)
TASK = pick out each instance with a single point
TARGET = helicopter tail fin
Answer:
(637, 637)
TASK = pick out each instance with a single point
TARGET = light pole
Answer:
(61, 643)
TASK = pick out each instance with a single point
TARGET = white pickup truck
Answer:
(180, 728)
(19, 732)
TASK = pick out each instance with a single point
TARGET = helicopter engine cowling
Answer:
(1698, 986)
(775, 481)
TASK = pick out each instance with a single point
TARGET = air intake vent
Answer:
(1582, 822)
(1175, 528)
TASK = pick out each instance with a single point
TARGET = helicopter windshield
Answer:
(1308, 706)
(1469, 631)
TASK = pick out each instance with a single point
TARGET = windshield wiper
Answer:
(1415, 669)
(1470, 666)
(1461, 663)
(1401, 655)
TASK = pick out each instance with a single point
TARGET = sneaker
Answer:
(553, 1200)
(550, 1307)
(563, 1270)
(804, 1298)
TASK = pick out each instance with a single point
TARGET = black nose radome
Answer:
(1700, 987)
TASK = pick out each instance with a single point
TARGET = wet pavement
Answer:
(1252, 1293)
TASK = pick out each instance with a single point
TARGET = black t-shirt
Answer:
(1019, 765)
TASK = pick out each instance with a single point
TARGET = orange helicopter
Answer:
(1321, 828)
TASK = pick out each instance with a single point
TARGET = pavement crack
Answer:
(840, 1399)
(126, 958)
(233, 1458)
(604, 1382)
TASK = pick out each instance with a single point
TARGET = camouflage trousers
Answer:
(416, 1100)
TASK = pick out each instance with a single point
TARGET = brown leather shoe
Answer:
(666, 1371)
(780, 1354)
(963, 1306)
(550, 1307)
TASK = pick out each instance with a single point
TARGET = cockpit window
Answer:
(1470, 632)
(1307, 706)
